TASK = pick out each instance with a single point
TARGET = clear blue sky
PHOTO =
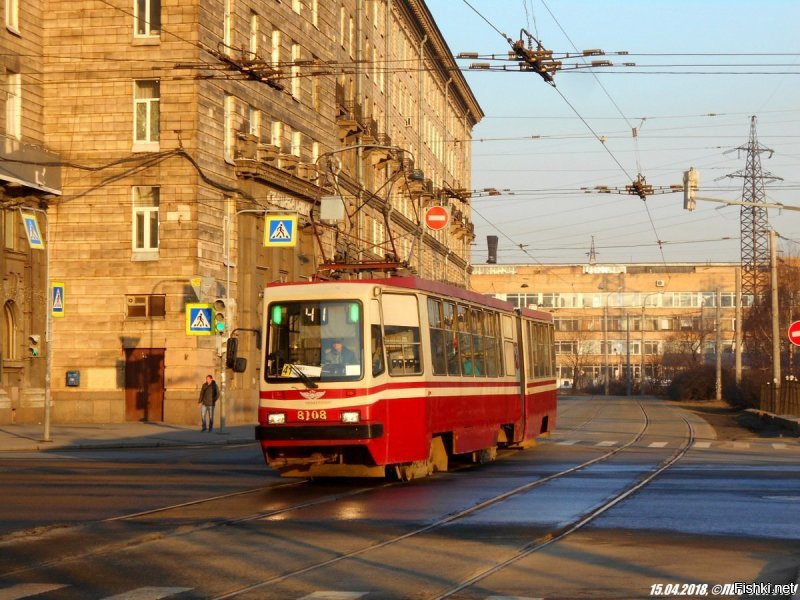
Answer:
(730, 59)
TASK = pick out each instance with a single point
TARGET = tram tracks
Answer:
(188, 528)
(108, 548)
(534, 546)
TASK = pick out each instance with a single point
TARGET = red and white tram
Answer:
(366, 378)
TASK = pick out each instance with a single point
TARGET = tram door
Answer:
(144, 384)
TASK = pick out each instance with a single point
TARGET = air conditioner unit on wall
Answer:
(659, 283)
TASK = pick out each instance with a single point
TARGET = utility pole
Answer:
(718, 344)
(776, 340)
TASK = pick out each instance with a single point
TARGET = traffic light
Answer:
(219, 322)
(33, 345)
(691, 181)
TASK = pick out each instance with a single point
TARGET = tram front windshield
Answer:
(314, 341)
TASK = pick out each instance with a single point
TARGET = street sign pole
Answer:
(40, 244)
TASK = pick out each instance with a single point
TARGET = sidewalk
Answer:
(28, 438)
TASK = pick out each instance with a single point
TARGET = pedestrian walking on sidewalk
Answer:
(209, 394)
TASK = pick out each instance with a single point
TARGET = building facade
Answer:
(181, 126)
(29, 180)
(620, 322)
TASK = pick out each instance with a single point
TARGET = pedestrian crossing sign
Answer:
(198, 319)
(35, 239)
(280, 230)
(57, 299)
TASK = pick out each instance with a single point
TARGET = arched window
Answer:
(9, 331)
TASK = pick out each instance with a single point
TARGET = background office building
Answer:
(613, 319)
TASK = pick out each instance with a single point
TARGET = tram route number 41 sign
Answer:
(794, 333)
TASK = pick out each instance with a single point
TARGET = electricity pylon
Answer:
(754, 223)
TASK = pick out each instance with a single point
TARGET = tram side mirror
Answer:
(240, 365)
(231, 348)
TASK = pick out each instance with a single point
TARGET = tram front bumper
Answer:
(318, 432)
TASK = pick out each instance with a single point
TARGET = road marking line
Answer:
(702, 444)
(567, 443)
(149, 593)
(23, 590)
(658, 444)
(332, 595)
(779, 446)
(606, 443)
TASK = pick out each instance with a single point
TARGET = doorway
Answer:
(144, 384)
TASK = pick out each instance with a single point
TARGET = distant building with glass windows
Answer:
(612, 320)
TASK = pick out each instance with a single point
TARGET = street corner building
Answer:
(156, 142)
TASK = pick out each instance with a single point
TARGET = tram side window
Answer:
(438, 337)
(465, 340)
(401, 334)
(509, 346)
(551, 351)
(530, 336)
(492, 345)
(451, 338)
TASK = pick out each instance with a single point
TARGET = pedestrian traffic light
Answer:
(219, 322)
(33, 345)
(691, 181)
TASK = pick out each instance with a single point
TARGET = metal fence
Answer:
(782, 401)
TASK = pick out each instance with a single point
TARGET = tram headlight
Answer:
(351, 416)
(276, 418)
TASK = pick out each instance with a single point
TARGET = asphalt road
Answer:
(629, 498)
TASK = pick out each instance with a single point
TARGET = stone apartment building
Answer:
(179, 125)
(30, 178)
(616, 319)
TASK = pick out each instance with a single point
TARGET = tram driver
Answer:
(338, 354)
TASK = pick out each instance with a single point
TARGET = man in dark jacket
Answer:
(209, 394)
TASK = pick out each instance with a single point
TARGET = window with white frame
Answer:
(12, 15)
(10, 229)
(253, 34)
(14, 105)
(227, 26)
(146, 98)
(228, 140)
(276, 48)
(297, 143)
(145, 218)
(297, 6)
(254, 122)
(296, 70)
(147, 18)
(315, 13)
(276, 134)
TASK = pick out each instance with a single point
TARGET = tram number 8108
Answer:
(312, 415)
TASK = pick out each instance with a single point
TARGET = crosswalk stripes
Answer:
(149, 593)
(27, 590)
(334, 595)
(701, 445)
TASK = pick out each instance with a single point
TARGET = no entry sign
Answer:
(437, 217)
(794, 333)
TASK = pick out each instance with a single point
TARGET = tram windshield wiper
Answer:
(303, 377)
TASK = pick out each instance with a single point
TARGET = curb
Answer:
(789, 422)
